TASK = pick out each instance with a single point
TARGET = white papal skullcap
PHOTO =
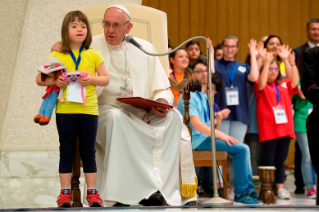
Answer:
(121, 8)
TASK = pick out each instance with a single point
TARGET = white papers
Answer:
(74, 92)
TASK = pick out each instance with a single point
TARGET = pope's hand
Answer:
(56, 47)
(160, 112)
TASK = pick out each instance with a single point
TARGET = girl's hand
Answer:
(86, 80)
(268, 57)
(261, 50)
(60, 82)
(210, 45)
(284, 52)
(292, 58)
(252, 47)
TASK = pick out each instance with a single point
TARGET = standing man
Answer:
(310, 89)
(313, 40)
(137, 150)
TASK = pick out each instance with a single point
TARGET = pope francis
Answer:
(137, 151)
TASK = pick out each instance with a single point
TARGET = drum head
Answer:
(267, 167)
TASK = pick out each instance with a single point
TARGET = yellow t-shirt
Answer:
(282, 69)
(90, 60)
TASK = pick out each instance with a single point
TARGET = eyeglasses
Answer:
(229, 47)
(116, 26)
(200, 71)
(274, 69)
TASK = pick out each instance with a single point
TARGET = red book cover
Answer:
(140, 102)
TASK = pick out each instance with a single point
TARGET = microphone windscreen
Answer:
(130, 39)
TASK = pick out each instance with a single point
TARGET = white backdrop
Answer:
(28, 30)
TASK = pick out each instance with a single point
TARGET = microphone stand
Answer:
(216, 200)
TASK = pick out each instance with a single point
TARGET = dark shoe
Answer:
(118, 204)
(155, 199)
(300, 191)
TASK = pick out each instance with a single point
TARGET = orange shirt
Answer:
(178, 77)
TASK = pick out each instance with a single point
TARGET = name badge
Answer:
(309, 111)
(280, 115)
(232, 97)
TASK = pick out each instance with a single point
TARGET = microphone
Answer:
(130, 39)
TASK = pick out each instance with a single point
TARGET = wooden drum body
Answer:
(267, 176)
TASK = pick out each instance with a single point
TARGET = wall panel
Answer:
(244, 18)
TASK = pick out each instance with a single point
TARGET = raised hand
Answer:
(269, 57)
(252, 46)
(291, 58)
(283, 52)
(210, 45)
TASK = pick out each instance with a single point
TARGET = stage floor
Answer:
(298, 202)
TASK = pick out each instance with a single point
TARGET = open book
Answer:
(140, 102)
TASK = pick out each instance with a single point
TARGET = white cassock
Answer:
(137, 153)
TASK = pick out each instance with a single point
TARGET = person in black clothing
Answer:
(310, 89)
(313, 40)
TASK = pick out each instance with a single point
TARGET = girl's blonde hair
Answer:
(69, 18)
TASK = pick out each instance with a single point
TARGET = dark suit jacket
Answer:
(310, 77)
(298, 51)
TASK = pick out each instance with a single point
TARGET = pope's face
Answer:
(115, 26)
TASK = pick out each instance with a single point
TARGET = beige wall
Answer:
(243, 18)
(28, 30)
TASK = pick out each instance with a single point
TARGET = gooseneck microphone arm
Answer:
(215, 200)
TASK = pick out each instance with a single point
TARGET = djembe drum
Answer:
(267, 176)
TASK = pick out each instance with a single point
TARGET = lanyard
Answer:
(207, 117)
(77, 62)
(231, 75)
(277, 92)
(176, 80)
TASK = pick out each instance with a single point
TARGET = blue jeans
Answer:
(48, 104)
(241, 162)
(235, 129)
(306, 164)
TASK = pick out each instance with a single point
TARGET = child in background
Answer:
(274, 117)
(73, 118)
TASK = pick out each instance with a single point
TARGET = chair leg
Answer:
(223, 163)
(75, 182)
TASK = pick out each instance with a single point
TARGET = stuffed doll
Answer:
(53, 68)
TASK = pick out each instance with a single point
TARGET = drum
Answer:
(267, 176)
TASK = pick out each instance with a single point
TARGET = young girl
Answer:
(179, 64)
(235, 76)
(274, 45)
(274, 117)
(74, 119)
(194, 53)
